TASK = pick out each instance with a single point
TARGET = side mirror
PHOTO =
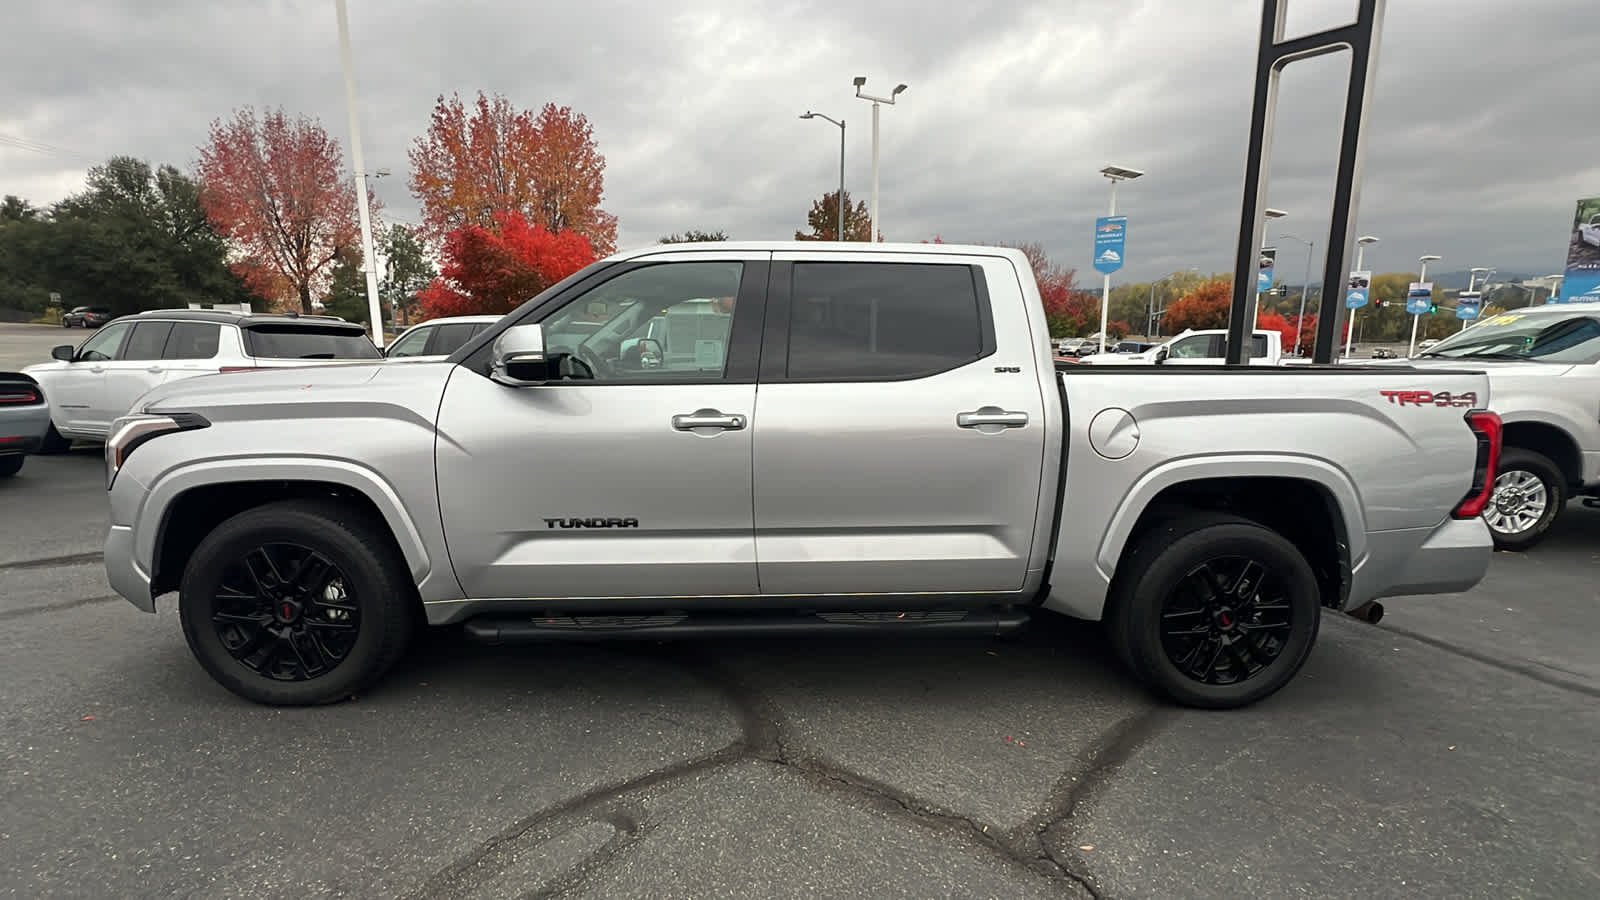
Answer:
(63, 353)
(518, 359)
(1161, 356)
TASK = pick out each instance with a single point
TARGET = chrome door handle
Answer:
(991, 416)
(707, 418)
(155, 369)
(97, 368)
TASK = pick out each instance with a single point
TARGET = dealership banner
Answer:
(1269, 257)
(1355, 296)
(1582, 281)
(1469, 304)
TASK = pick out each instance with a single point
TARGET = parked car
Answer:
(436, 339)
(1543, 366)
(879, 443)
(1384, 353)
(90, 385)
(86, 317)
(1194, 348)
(1589, 232)
(24, 417)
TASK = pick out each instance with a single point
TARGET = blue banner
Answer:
(1110, 239)
(1419, 299)
(1581, 283)
(1269, 258)
(1355, 296)
(1468, 305)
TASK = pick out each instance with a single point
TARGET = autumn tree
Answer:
(275, 186)
(824, 220)
(474, 164)
(492, 269)
(1206, 306)
(693, 236)
(406, 272)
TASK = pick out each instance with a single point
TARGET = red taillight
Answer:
(1486, 426)
(20, 393)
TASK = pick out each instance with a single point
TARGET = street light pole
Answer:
(1305, 285)
(860, 82)
(368, 253)
(1361, 254)
(1115, 174)
(1266, 239)
(1422, 278)
(838, 234)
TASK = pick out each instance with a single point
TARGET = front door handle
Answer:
(708, 418)
(155, 369)
(991, 418)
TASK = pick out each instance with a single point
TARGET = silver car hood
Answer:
(298, 386)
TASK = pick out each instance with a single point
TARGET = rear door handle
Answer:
(707, 418)
(155, 369)
(992, 417)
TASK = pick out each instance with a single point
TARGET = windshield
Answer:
(1536, 337)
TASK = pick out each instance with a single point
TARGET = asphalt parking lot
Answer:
(1447, 752)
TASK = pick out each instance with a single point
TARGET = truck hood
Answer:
(309, 390)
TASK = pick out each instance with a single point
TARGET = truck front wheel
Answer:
(1529, 493)
(1214, 611)
(297, 603)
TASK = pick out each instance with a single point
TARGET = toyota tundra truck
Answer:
(769, 439)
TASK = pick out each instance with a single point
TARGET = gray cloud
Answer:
(1481, 136)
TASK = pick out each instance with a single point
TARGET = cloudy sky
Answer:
(1483, 134)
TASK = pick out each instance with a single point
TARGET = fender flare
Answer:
(204, 473)
(1258, 465)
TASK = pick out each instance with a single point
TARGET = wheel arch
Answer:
(190, 503)
(1551, 441)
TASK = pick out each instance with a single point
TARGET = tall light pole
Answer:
(1266, 239)
(860, 82)
(1115, 174)
(1305, 285)
(1150, 309)
(1361, 256)
(839, 234)
(1472, 276)
(1422, 277)
(368, 253)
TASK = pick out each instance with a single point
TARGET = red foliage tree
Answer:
(275, 187)
(1308, 332)
(1206, 306)
(494, 270)
(496, 158)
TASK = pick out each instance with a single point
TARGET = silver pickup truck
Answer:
(776, 439)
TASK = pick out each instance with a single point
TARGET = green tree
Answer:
(406, 271)
(347, 288)
(16, 209)
(824, 220)
(694, 236)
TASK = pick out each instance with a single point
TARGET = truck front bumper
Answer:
(122, 569)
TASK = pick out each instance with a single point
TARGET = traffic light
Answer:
(1378, 302)
(1433, 307)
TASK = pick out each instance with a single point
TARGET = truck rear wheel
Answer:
(1214, 611)
(1529, 493)
(297, 603)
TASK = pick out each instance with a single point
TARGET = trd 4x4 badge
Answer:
(1429, 398)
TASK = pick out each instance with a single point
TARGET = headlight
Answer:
(128, 432)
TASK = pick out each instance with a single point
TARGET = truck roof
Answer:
(793, 246)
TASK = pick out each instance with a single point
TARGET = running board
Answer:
(679, 626)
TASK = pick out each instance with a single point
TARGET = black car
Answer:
(86, 317)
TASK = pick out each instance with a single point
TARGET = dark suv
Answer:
(86, 317)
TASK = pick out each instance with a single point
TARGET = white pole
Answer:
(368, 253)
(1105, 287)
(1350, 329)
(1416, 317)
(1304, 286)
(873, 235)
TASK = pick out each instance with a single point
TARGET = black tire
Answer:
(65, 324)
(11, 465)
(1164, 577)
(53, 442)
(376, 593)
(1503, 513)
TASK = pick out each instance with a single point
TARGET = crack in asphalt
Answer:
(763, 738)
(9, 614)
(75, 559)
(1535, 670)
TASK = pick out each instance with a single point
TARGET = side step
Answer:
(681, 626)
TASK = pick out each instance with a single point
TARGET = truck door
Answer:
(632, 479)
(899, 427)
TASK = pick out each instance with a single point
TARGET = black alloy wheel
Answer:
(285, 612)
(1227, 620)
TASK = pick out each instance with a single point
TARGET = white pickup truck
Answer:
(1589, 232)
(1196, 348)
(1543, 365)
(860, 439)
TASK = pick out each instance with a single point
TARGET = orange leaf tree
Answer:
(824, 220)
(275, 187)
(475, 163)
(494, 269)
(1206, 306)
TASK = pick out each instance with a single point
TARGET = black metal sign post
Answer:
(1275, 54)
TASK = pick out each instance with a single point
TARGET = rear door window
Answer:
(193, 340)
(448, 338)
(307, 342)
(146, 341)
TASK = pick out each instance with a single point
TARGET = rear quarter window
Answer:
(307, 342)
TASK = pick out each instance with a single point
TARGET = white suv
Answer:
(92, 384)
(436, 339)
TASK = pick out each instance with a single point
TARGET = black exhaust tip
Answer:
(1370, 612)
